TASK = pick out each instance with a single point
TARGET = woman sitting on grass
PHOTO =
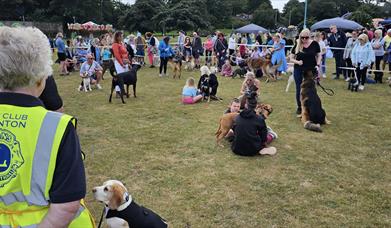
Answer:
(227, 69)
(251, 135)
(189, 92)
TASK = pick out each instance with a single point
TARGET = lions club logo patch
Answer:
(11, 158)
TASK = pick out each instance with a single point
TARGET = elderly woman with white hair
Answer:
(378, 48)
(362, 58)
(42, 175)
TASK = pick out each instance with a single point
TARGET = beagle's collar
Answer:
(128, 200)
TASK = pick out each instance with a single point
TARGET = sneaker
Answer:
(268, 151)
(324, 76)
(160, 75)
(347, 79)
(98, 86)
(361, 87)
(272, 133)
(80, 88)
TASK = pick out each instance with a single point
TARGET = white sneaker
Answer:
(324, 76)
(268, 151)
(361, 87)
(160, 75)
(347, 79)
(80, 88)
(98, 86)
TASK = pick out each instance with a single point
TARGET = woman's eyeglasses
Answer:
(304, 37)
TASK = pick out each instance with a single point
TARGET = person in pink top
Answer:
(227, 69)
(208, 46)
(121, 57)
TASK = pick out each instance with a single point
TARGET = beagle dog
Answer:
(122, 210)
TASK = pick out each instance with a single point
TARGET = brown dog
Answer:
(176, 67)
(227, 120)
(312, 114)
(265, 65)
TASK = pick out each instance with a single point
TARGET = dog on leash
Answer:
(227, 120)
(353, 83)
(123, 211)
(86, 82)
(123, 80)
(290, 72)
(176, 64)
(312, 114)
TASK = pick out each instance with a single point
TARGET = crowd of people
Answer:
(53, 185)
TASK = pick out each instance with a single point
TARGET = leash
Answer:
(101, 217)
(327, 91)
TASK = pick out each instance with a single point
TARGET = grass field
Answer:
(166, 154)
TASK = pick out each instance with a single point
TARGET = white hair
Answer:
(213, 70)
(204, 70)
(25, 57)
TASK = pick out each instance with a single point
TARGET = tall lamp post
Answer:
(305, 14)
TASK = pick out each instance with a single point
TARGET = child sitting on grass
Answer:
(226, 69)
(189, 92)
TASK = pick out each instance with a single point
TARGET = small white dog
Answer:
(86, 83)
(290, 79)
(122, 210)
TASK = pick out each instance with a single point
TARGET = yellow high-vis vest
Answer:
(29, 141)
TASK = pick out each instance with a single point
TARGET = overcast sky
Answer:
(279, 4)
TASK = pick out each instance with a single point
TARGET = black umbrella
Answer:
(341, 23)
(251, 28)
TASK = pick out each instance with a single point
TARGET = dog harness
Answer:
(138, 216)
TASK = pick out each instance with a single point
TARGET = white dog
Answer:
(290, 79)
(122, 210)
(86, 83)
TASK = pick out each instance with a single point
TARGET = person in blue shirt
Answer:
(165, 53)
(190, 93)
(106, 60)
(61, 54)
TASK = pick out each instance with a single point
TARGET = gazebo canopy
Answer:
(251, 28)
(340, 22)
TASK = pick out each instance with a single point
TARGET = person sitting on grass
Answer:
(250, 131)
(226, 69)
(248, 85)
(234, 106)
(190, 93)
(93, 70)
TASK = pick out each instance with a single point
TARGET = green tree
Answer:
(293, 12)
(139, 16)
(264, 16)
(253, 5)
(316, 9)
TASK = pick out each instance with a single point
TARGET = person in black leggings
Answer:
(306, 56)
(165, 53)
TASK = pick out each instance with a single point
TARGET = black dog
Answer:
(242, 71)
(208, 86)
(126, 78)
(138, 216)
(353, 84)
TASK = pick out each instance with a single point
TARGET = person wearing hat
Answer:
(250, 131)
(93, 70)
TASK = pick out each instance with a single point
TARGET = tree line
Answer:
(207, 15)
